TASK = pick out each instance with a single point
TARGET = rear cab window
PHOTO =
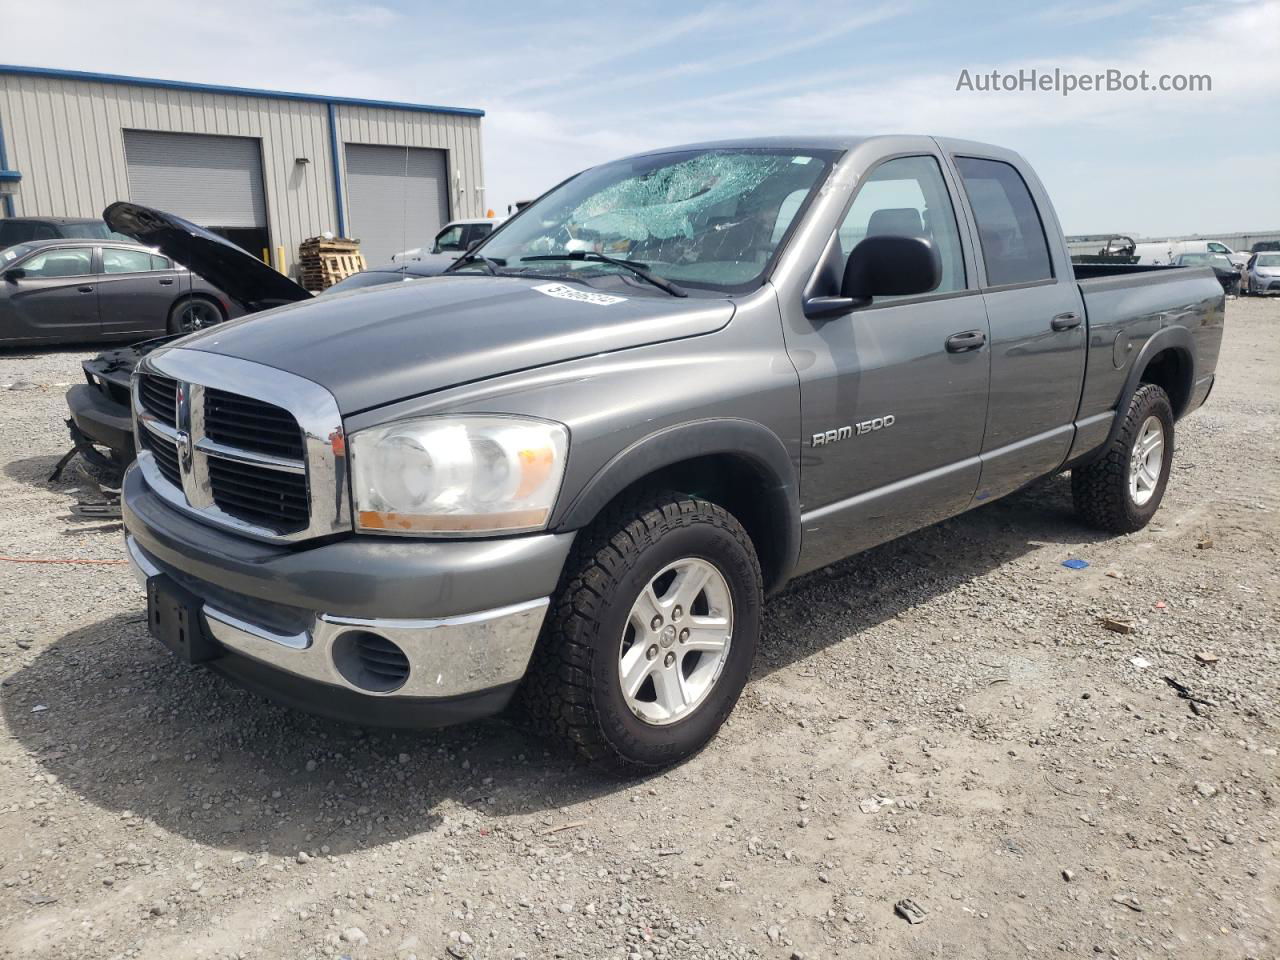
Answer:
(1010, 232)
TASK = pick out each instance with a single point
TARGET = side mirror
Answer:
(14, 275)
(891, 267)
(882, 266)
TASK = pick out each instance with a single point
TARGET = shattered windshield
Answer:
(705, 218)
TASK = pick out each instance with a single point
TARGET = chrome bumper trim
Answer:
(448, 656)
(140, 564)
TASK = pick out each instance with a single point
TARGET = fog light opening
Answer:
(370, 662)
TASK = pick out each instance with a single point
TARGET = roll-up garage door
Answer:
(213, 181)
(397, 198)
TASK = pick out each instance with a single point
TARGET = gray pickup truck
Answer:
(571, 470)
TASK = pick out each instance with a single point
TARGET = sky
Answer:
(568, 85)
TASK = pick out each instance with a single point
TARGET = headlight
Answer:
(457, 476)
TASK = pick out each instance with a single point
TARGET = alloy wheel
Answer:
(676, 641)
(1146, 461)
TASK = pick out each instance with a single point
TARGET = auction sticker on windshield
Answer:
(585, 296)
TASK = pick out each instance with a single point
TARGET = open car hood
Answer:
(240, 275)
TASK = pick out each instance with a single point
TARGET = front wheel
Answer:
(195, 313)
(651, 637)
(1122, 489)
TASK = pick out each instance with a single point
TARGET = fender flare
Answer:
(1169, 338)
(746, 440)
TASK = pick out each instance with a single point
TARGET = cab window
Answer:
(1014, 247)
(450, 239)
(907, 197)
(60, 262)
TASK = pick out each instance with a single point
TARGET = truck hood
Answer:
(241, 276)
(382, 344)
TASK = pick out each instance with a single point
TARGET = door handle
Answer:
(167, 282)
(85, 289)
(1065, 321)
(963, 342)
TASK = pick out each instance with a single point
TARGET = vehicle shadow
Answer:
(114, 718)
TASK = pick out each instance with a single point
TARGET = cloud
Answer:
(566, 86)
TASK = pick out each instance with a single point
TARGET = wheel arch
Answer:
(1167, 359)
(739, 464)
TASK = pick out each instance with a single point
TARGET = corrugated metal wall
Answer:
(65, 136)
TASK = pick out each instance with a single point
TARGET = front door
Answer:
(55, 298)
(893, 395)
(1037, 329)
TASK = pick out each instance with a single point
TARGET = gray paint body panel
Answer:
(377, 346)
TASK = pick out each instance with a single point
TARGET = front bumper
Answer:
(102, 420)
(295, 622)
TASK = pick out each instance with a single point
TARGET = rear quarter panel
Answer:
(1133, 316)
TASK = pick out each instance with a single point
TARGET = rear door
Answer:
(892, 415)
(1037, 324)
(135, 291)
(55, 299)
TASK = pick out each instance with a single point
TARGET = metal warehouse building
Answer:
(264, 169)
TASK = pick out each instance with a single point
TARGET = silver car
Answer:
(1262, 275)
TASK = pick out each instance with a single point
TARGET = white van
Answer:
(1210, 246)
(1154, 252)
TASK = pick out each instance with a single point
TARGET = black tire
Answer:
(183, 315)
(1101, 489)
(573, 691)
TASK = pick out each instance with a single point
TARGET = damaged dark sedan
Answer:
(100, 423)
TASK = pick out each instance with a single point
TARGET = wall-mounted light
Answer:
(301, 161)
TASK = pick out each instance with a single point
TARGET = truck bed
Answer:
(1128, 304)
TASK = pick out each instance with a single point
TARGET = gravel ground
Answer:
(943, 719)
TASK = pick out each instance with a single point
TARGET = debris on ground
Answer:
(1075, 563)
(1185, 693)
(910, 911)
(1116, 625)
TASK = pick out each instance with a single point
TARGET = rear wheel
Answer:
(652, 634)
(1121, 490)
(194, 313)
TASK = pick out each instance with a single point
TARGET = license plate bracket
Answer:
(173, 617)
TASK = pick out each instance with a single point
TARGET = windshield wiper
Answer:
(639, 269)
(490, 266)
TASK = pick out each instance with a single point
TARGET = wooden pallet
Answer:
(322, 263)
(316, 245)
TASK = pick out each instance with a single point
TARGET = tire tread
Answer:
(1099, 489)
(557, 692)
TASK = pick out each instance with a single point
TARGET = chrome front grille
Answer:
(159, 397)
(241, 445)
(263, 496)
(251, 424)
